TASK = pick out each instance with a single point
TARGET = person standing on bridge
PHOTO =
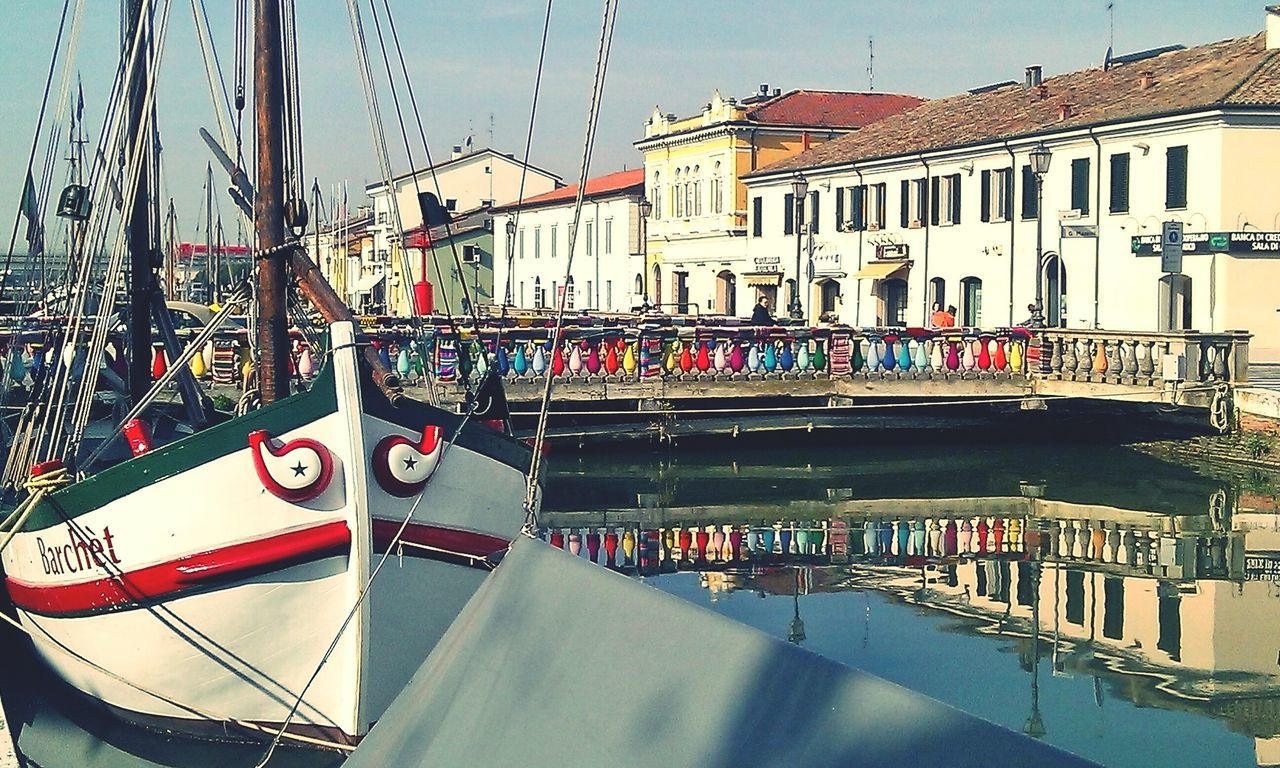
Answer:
(760, 315)
(940, 318)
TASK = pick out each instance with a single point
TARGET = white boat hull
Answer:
(190, 593)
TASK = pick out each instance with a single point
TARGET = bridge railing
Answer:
(729, 353)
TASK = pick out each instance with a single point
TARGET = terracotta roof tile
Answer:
(830, 109)
(1240, 71)
(620, 182)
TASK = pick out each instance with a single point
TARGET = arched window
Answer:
(971, 302)
(679, 196)
(1055, 291)
(539, 300)
(937, 293)
(717, 191)
(893, 302)
(830, 297)
(640, 285)
(727, 293)
(657, 285)
(568, 293)
(657, 195)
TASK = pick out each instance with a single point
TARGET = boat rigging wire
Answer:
(532, 501)
(524, 175)
(35, 141)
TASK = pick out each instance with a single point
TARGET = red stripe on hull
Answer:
(165, 580)
(447, 540)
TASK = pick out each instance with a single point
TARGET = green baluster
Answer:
(818, 360)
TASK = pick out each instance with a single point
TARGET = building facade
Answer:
(467, 182)
(534, 241)
(697, 250)
(457, 260)
(940, 206)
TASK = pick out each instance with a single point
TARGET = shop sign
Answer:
(768, 264)
(1250, 244)
(1262, 566)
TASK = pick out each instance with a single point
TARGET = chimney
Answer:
(1042, 92)
(1273, 27)
(777, 92)
(456, 153)
(1145, 80)
(764, 89)
(1033, 76)
(1064, 111)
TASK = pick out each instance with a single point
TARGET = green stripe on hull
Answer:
(184, 455)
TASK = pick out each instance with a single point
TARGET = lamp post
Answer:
(645, 208)
(1040, 157)
(507, 298)
(1034, 726)
(799, 188)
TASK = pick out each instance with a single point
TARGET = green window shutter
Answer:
(986, 195)
(1080, 184)
(1028, 193)
(839, 208)
(859, 208)
(906, 204)
(789, 216)
(934, 185)
(813, 212)
(1119, 183)
(955, 198)
(1175, 195)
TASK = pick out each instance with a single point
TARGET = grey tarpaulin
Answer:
(558, 662)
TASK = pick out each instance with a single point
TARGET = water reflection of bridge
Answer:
(1177, 611)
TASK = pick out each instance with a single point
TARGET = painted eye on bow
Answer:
(401, 466)
(296, 471)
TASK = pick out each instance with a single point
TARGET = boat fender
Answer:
(138, 434)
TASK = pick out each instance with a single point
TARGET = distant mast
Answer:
(268, 105)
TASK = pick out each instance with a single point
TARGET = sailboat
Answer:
(225, 578)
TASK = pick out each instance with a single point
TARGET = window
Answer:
(451, 204)
(1080, 185)
(914, 196)
(1119, 183)
(568, 293)
(717, 191)
(589, 293)
(537, 242)
(1175, 178)
(608, 294)
(608, 236)
(857, 208)
(945, 200)
(788, 214)
(875, 201)
(554, 232)
(656, 197)
(757, 212)
(813, 212)
(893, 301)
(539, 297)
(1029, 200)
(522, 293)
(522, 242)
(639, 285)
(937, 293)
(997, 195)
(697, 197)
(678, 202)
(590, 232)
(382, 217)
(971, 299)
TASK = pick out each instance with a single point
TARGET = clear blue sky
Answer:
(475, 58)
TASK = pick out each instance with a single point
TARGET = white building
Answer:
(466, 181)
(532, 242)
(939, 204)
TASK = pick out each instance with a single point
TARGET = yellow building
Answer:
(696, 233)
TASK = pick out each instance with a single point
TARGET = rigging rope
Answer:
(532, 500)
(507, 297)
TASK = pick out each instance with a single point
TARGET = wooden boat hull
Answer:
(206, 581)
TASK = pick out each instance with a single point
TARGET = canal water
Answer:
(1120, 607)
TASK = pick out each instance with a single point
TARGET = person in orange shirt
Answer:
(939, 317)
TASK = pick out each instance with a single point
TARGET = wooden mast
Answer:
(140, 278)
(268, 105)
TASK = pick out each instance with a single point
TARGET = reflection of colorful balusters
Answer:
(870, 541)
(669, 543)
(593, 546)
(917, 537)
(902, 539)
(628, 545)
(887, 538)
(717, 543)
(982, 529)
(767, 539)
(786, 537)
(735, 544)
(950, 539)
(557, 539)
(802, 541)
(935, 538)
(966, 536)
(703, 538)
(686, 543)
(997, 535)
(753, 541)
(611, 547)
(1099, 538)
(1014, 534)
(575, 543)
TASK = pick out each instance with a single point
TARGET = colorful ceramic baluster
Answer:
(904, 355)
(984, 353)
(770, 356)
(736, 359)
(819, 358)
(575, 360)
(703, 360)
(720, 361)
(557, 362)
(953, 355)
(873, 356)
(889, 358)
(999, 361)
(686, 357)
(803, 361)
(629, 362)
(786, 360)
(922, 355)
(610, 357)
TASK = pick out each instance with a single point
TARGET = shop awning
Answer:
(367, 283)
(879, 270)
(763, 278)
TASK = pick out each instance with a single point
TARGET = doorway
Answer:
(680, 287)
(1175, 303)
(893, 303)
(727, 293)
(1055, 291)
(657, 286)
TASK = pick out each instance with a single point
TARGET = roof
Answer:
(462, 158)
(830, 109)
(1240, 72)
(610, 185)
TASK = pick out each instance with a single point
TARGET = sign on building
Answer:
(1171, 247)
(1250, 244)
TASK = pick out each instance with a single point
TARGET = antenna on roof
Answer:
(1111, 34)
(871, 63)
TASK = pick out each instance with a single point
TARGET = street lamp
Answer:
(1034, 726)
(645, 209)
(1040, 157)
(511, 260)
(799, 188)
